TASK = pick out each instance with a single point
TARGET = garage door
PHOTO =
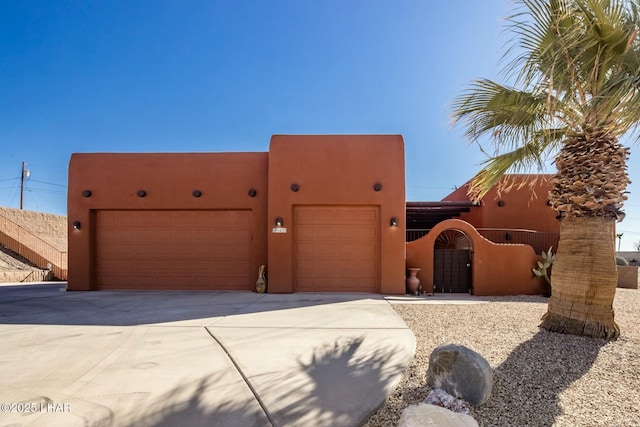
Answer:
(173, 250)
(336, 249)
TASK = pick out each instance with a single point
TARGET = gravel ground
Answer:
(540, 378)
(10, 261)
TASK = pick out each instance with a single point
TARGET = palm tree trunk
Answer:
(584, 279)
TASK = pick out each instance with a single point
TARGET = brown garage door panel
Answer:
(336, 248)
(173, 250)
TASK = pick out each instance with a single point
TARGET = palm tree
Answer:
(575, 93)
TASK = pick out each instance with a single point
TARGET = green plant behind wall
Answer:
(621, 261)
(543, 269)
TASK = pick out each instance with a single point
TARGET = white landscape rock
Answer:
(426, 415)
(439, 397)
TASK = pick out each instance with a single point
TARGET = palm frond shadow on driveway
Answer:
(329, 394)
(336, 378)
(187, 405)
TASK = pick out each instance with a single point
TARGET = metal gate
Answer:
(452, 270)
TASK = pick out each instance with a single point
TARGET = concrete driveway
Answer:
(196, 358)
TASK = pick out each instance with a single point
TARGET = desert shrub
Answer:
(621, 261)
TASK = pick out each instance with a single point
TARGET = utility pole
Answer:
(619, 236)
(25, 175)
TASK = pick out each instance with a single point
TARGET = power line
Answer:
(48, 183)
(43, 190)
(46, 202)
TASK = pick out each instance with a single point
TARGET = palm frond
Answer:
(504, 113)
(522, 159)
(576, 76)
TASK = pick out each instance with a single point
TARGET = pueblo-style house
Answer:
(323, 213)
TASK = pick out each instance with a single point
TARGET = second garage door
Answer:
(152, 250)
(336, 249)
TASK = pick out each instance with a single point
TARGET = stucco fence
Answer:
(628, 277)
(496, 269)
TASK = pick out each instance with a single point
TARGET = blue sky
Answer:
(225, 75)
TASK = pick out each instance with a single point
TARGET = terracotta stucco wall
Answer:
(523, 208)
(169, 180)
(628, 276)
(496, 269)
(337, 170)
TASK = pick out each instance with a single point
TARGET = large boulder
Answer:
(426, 415)
(462, 372)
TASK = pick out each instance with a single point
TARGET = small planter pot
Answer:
(413, 283)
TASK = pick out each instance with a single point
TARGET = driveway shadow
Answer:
(50, 305)
(346, 384)
(340, 386)
(187, 406)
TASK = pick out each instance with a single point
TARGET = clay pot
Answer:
(413, 283)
